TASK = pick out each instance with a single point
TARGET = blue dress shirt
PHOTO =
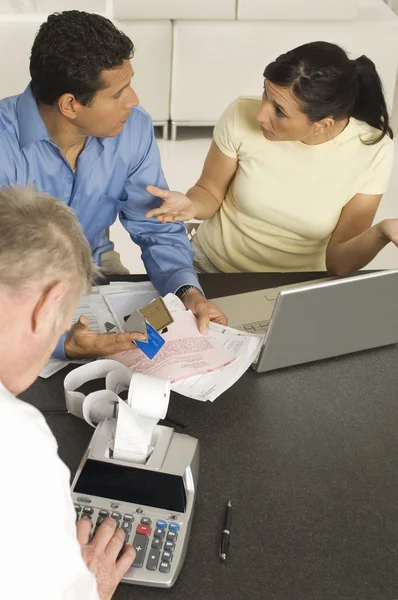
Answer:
(109, 180)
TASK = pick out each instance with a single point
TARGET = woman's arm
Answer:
(354, 242)
(209, 192)
(205, 198)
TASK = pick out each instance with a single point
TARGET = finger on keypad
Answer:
(125, 560)
(115, 544)
(83, 529)
(105, 533)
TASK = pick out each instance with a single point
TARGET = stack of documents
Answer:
(200, 367)
(127, 296)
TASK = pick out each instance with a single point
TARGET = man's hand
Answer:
(175, 207)
(100, 555)
(203, 309)
(82, 342)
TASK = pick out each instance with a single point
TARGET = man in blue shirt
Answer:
(78, 134)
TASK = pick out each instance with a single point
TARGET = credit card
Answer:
(157, 314)
(154, 343)
(136, 324)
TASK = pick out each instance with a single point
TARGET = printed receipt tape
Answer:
(76, 378)
(148, 396)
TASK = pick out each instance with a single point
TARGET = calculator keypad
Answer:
(162, 547)
(161, 540)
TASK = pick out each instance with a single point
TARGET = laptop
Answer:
(319, 319)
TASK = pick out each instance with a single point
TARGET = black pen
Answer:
(226, 532)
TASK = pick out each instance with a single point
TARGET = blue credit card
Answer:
(154, 343)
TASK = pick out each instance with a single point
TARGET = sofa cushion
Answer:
(16, 41)
(50, 6)
(214, 63)
(174, 9)
(151, 63)
(302, 10)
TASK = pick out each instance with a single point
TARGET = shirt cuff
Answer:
(59, 351)
(181, 278)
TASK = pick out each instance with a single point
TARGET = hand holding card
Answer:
(136, 323)
(156, 317)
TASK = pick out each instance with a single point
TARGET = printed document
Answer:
(186, 353)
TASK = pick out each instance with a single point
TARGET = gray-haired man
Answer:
(45, 266)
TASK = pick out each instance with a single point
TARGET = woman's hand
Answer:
(389, 229)
(175, 206)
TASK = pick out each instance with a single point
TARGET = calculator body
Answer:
(152, 502)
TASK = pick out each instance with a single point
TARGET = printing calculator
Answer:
(152, 502)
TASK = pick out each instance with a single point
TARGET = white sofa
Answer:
(152, 66)
(176, 9)
(50, 6)
(318, 10)
(152, 62)
(214, 62)
(193, 57)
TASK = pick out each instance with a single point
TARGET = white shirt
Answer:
(40, 555)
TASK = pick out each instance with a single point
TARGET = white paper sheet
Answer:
(53, 366)
(95, 308)
(209, 387)
(126, 287)
(244, 347)
(100, 320)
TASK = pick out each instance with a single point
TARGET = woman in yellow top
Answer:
(292, 182)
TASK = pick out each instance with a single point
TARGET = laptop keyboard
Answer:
(258, 327)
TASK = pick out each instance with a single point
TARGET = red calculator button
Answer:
(144, 529)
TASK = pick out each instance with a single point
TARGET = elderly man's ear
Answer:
(49, 306)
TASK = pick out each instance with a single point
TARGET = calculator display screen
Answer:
(129, 484)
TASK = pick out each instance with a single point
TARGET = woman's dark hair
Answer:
(326, 83)
(70, 51)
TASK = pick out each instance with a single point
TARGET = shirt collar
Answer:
(31, 125)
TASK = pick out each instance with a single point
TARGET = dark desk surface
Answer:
(309, 457)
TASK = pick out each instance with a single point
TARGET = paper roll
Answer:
(76, 378)
(99, 406)
(149, 396)
(118, 380)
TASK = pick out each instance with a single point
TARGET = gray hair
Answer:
(41, 241)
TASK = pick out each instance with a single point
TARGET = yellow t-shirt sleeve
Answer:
(380, 171)
(225, 132)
